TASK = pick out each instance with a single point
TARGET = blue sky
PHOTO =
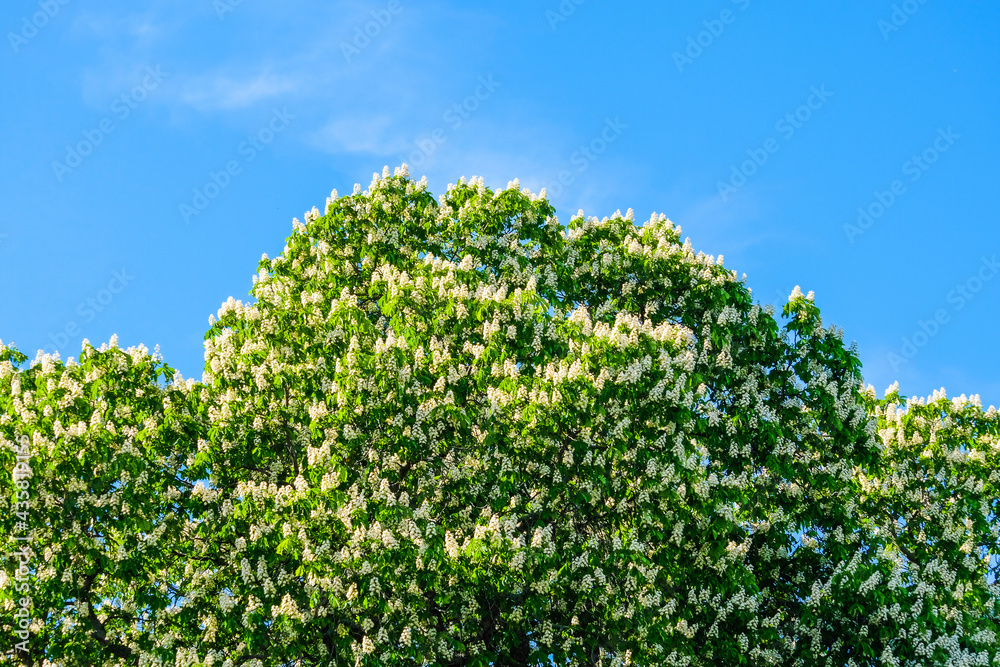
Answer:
(153, 150)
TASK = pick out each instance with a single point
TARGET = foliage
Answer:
(452, 432)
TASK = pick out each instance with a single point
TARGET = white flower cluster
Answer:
(445, 417)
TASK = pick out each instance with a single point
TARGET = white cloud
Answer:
(141, 30)
(368, 133)
(226, 93)
(152, 25)
(374, 108)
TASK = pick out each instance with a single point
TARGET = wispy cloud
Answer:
(361, 132)
(223, 92)
(389, 96)
(142, 29)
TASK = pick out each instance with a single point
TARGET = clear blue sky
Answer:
(760, 129)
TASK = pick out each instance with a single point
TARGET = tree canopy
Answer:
(453, 432)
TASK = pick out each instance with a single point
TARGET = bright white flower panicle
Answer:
(450, 429)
